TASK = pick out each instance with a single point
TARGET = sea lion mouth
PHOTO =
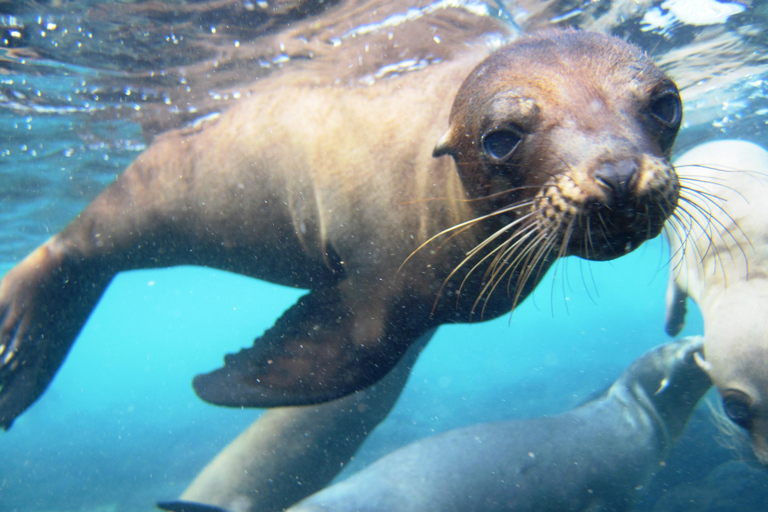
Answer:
(629, 205)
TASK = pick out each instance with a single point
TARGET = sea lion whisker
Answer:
(667, 207)
(560, 255)
(465, 225)
(507, 247)
(709, 195)
(705, 228)
(507, 265)
(588, 234)
(501, 193)
(503, 210)
(604, 234)
(522, 233)
(534, 251)
(508, 269)
(500, 248)
(472, 253)
(716, 201)
(604, 225)
(707, 181)
(707, 231)
(503, 259)
(500, 232)
(582, 262)
(588, 243)
(503, 249)
(723, 169)
(541, 255)
(649, 231)
(498, 264)
(677, 224)
(451, 237)
(470, 200)
(566, 238)
(723, 227)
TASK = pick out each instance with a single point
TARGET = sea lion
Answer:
(594, 457)
(292, 452)
(719, 246)
(556, 144)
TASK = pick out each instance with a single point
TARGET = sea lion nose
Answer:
(616, 177)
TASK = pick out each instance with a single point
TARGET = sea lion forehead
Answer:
(562, 67)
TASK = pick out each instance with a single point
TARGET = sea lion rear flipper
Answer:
(324, 347)
(676, 306)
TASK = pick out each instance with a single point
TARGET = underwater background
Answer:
(83, 88)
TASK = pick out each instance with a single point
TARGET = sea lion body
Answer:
(332, 188)
(721, 262)
(594, 457)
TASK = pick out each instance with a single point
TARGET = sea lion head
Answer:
(668, 380)
(736, 359)
(575, 129)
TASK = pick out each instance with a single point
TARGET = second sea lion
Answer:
(557, 144)
(720, 259)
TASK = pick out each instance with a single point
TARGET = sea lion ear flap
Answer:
(444, 146)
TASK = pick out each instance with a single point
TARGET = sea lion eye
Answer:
(500, 143)
(666, 107)
(737, 409)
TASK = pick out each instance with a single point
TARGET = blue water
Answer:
(120, 426)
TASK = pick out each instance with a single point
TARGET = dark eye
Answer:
(500, 143)
(737, 409)
(666, 108)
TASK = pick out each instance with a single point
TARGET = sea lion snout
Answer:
(617, 178)
(608, 206)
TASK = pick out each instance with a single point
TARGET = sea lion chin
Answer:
(557, 144)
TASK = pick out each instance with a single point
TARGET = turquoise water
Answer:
(120, 426)
(121, 423)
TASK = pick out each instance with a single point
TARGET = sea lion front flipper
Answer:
(324, 347)
(676, 306)
(44, 302)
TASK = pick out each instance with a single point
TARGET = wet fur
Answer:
(330, 188)
(719, 244)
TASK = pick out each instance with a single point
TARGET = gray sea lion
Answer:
(594, 457)
(720, 259)
(557, 144)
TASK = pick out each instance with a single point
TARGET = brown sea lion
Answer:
(720, 259)
(556, 145)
